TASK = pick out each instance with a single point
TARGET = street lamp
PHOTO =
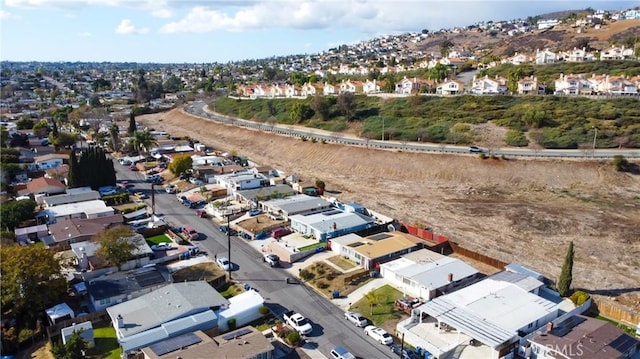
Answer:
(595, 137)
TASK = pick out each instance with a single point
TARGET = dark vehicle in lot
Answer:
(280, 232)
(254, 212)
(225, 229)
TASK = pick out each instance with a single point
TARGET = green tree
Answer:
(42, 128)
(445, 47)
(117, 245)
(28, 272)
(64, 139)
(15, 212)
(320, 185)
(74, 348)
(566, 276)
(24, 124)
(173, 84)
(114, 133)
(132, 124)
(346, 104)
(321, 105)
(143, 140)
(300, 112)
(72, 175)
(620, 163)
(180, 164)
(94, 169)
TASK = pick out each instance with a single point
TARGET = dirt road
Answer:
(523, 211)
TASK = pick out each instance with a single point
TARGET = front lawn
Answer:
(157, 239)
(378, 305)
(107, 346)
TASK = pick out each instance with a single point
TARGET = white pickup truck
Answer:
(298, 322)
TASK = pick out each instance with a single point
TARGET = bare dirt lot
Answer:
(523, 211)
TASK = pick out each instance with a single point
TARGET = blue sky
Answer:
(205, 31)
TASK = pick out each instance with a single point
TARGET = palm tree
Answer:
(143, 140)
(114, 132)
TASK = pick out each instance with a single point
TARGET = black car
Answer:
(406, 354)
(225, 229)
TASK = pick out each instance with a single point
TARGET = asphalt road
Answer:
(329, 327)
(198, 108)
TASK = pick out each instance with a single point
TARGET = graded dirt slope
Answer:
(522, 211)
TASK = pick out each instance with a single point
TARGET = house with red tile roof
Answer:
(44, 185)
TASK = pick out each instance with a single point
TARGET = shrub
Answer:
(24, 335)
(579, 297)
(331, 276)
(516, 138)
(306, 275)
(620, 163)
(323, 285)
(293, 338)
(133, 209)
(231, 323)
(483, 156)
(263, 310)
(320, 270)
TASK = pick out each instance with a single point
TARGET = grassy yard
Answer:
(158, 239)
(378, 305)
(232, 291)
(313, 246)
(107, 346)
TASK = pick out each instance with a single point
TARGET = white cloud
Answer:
(162, 13)
(5, 15)
(126, 27)
(84, 34)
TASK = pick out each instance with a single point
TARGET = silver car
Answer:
(356, 318)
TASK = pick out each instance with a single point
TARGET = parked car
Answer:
(406, 354)
(196, 181)
(356, 318)
(171, 189)
(224, 263)
(125, 162)
(141, 195)
(190, 232)
(475, 149)
(341, 353)
(201, 213)
(254, 211)
(184, 176)
(164, 246)
(152, 178)
(378, 334)
(225, 229)
(271, 259)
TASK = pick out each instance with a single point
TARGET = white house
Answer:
(489, 86)
(579, 55)
(572, 85)
(308, 89)
(616, 53)
(370, 87)
(242, 180)
(450, 87)
(495, 314)
(350, 86)
(426, 274)
(52, 160)
(298, 204)
(545, 24)
(85, 330)
(530, 85)
(545, 57)
(329, 89)
(330, 224)
(86, 209)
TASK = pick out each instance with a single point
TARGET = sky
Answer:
(208, 31)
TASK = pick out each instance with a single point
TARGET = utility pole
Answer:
(153, 199)
(229, 243)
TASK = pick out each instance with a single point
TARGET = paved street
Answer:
(330, 329)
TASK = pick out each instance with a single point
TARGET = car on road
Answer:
(152, 178)
(271, 259)
(341, 353)
(475, 149)
(224, 263)
(125, 162)
(190, 232)
(141, 195)
(201, 213)
(356, 318)
(171, 189)
(378, 334)
(226, 230)
(164, 246)
(254, 211)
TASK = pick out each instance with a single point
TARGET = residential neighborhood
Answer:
(124, 241)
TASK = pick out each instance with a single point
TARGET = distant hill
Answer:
(559, 38)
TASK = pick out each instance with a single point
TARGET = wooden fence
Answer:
(477, 256)
(616, 312)
(96, 317)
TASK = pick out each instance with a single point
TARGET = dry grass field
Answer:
(515, 210)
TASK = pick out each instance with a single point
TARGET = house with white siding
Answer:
(489, 85)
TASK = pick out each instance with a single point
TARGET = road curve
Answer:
(200, 109)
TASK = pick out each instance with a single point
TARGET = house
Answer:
(67, 231)
(545, 57)
(86, 333)
(517, 59)
(530, 86)
(350, 86)
(330, 223)
(52, 160)
(620, 85)
(85, 253)
(450, 87)
(43, 185)
(489, 86)
(290, 91)
(572, 85)
(546, 24)
(370, 87)
(284, 208)
(244, 308)
(110, 289)
(165, 313)
(242, 180)
(59, 173)
(415, 85)
(582, 337)
(496, 314)
(209, 172)
(27, 235)
(79, 210)
(616, 53)
(275, 90)
(426, 274)
(73, 195)
(369, 252)
(246, 342)
(259, 196)
(578, 55)
(329, 89)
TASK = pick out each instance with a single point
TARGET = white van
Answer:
(341, 353)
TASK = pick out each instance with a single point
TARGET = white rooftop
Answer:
(87, 207)
(328, 220)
